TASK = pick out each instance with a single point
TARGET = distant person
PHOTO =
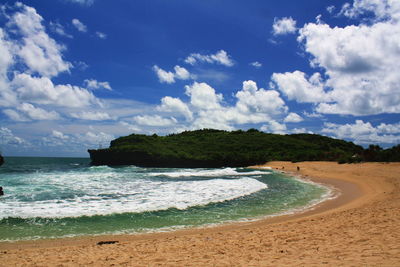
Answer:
(1, 191)
(298, 168)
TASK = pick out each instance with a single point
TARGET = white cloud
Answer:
(82, 2)
(364, 133)
(59, 135)
(38, 51)
(79, 25)
(28, 112)
(154, 120)
(75, 142)
(361, 62)
(274, 127)
(91, 115)
(383, 9)
(8, 138)
(256, 64)
(312, 114)
(293, 117)
(296, 86)
(300, 130)
(90, 138)
(169, 77)
(253, 100)
(81, 65)
(59, 29)
(175, 105)
(221, 57)
(284, 26)
(203, 96)
(94, 84)
(14, 115)
(181, 73)
(164, 76)
(43, 91)
(330, 9)
(36, 113)
(101, 35)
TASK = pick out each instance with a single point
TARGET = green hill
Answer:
(216, 148)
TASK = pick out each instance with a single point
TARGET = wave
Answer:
(208, 173)
(134, 197)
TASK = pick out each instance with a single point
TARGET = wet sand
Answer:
(359, 228)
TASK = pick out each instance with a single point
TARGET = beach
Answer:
(359, 227)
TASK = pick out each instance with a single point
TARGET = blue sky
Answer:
(75, 74)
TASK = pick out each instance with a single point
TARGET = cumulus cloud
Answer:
(297, 86)
(360, 64)
(28, 112)
(38, 51)
(94, 84)
(29, 60)
(284, 26)
(59, 135)
(206, 108)
(293, 117)
(221, 57)
(175, 105)
(75, 141)
(364, 132)
(256, 64)
(274, 127)
(169, 77)
(382, 9)
(251, 99)
(203, 96)
(43, 91)
(79, 25)
(7, 137)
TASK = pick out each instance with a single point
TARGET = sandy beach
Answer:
(361, 227)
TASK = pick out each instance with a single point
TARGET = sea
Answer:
(64, 197)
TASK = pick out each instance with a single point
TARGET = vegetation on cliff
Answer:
(216, 148)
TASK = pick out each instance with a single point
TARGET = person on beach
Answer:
(298, 168)
(1, 191)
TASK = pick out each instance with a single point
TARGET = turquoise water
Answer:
(59, 197)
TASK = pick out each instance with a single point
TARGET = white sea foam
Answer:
(207, 173)
(107, 191)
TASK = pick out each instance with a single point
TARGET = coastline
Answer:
(368, 193)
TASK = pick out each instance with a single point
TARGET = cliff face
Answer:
(213, 148)
(143, 159)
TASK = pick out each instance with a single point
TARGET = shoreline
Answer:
(336, 188)
(356, 194)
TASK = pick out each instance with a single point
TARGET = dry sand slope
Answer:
(360, 228)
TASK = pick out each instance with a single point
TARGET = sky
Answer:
(76, 74)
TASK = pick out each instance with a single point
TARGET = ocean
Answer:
(64, 197)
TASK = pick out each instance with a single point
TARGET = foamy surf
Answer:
(130, 196)
(207, 173)
(46, 198)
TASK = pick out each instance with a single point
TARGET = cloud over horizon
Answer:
(338, 79)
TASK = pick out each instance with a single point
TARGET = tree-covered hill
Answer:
(216, 148)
